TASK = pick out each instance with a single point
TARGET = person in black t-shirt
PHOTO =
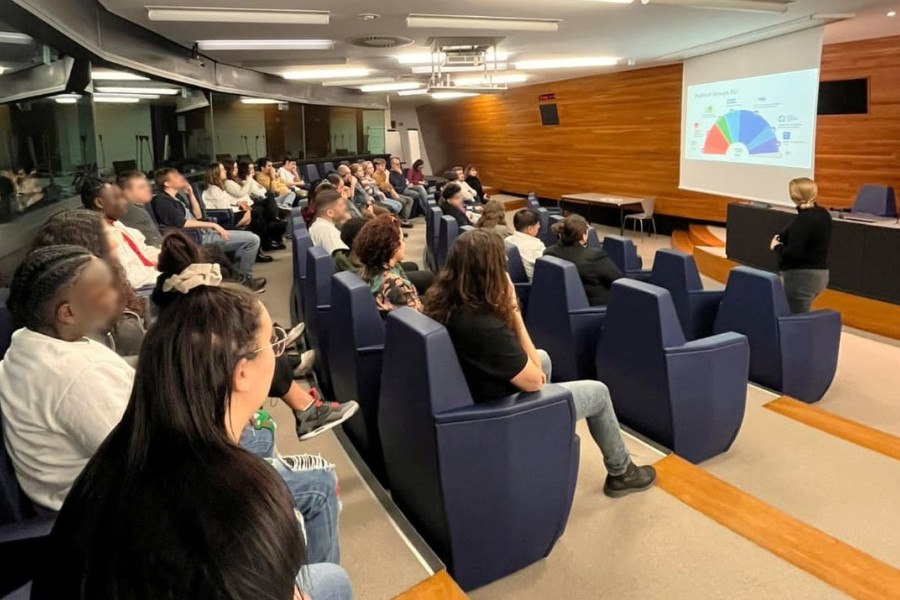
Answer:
(802, 248)
(596, 270)
(475, 300)
(452, 204)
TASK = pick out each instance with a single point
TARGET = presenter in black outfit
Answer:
(802, 248)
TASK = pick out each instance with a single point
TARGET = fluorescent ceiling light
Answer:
(246, 100)
(452, 95)
(758, 35)
(247, 15)
(67, 98)
(427, 69)
(214, 45)
(568, 63)
(421, 92)
(428, 58)
(13, 37)
(162, 91)
(139, 96)
(616, 1)
(391, 87)
(495, 23)
(314, 74)
(742, 5)
(111, 75)
(498, 79)
(117, 100)
(2, 70)
(356, 82)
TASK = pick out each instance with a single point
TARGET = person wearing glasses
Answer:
(171, 505)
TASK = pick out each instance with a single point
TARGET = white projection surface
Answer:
(749, 118)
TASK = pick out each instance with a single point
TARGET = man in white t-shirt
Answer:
(331, 213)
(289, 175)
(60, 392)
(527, 223)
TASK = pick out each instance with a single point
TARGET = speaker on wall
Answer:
(549, 114)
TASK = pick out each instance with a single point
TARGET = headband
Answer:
(194, 276)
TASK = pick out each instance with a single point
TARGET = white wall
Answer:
(405, 118)
(118, 124)
(343, 130)
(232, 122)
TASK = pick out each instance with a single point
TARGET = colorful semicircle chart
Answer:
(741, 126)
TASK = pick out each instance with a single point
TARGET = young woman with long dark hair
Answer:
(596, 270)
(475, 300)
(171, 506)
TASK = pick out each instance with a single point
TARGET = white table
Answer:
(605, 200)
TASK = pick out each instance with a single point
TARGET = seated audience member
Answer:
(264, 217)
(138, 193)
(289, 175)
(469, 193)
(337, 183)
(330, 213)
(268, 178)
(366, 177)
(399, 182)
(177, 207)
(136, 256)
(61, 393)
(358, 195)
(381, 178)
(204, 372)
(215, 197)
(415, 173)
(596, 270)
(527, 224)
(452, 204)
(379, 247)
(475, 183)
(475, 300)
(494, 219)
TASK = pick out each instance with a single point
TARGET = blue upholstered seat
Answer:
(447, 233)
(792, 354)
(696, 307)
(317, 312)
(876, 200)
(516, 269)
(312, 174)
(488, 485)
(687, 396)
(327, 167)
(622, 252)
(533, 203)
(561, 321)
(356, 346)
(546, 234)
(300, 244)
(432, 235)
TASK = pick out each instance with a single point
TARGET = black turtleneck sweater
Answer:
(804, 244)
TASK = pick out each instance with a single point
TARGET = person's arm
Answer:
(192, 224)
(532, 377)
(601, 269)
(794, 248)
(195, 204)
(95, 402)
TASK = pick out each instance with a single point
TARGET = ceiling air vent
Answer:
(380, 41)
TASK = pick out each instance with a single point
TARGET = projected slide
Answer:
(768, 120)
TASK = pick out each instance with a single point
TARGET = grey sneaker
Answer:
(635, 479)
(322, 416)
(307, 360)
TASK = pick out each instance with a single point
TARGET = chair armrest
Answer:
(715, 342)
(36, 527)
(704, 308)
(223, 217)
(368, 350)
(810, 344)
(524, 402)
(588, 312)
(639, 275)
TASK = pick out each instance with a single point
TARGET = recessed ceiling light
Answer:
(452, 95)
(421, 92)
(67, 98)
(246, 15)
(140, 96)
(491, 79)
(497, 23)
(568, 63)
(391, 87)
(615, 1)
(162, 91)
(314, 74)
(117, 100)
(892, 13)
(367, 16)
(112, 75)
(356, 82)
(247, 100)
(741, 5)
(2, 70)
(214, 45)
(426, 69)
(428, 58)
(14, 37)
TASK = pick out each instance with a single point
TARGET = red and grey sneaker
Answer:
(322, 416)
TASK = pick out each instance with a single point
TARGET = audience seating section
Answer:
(546, 234)
(696, 307)
(447, 234)
(792, 354)
(317, 312)
(6, 323)
(327, 167)
(489, 485)
(300, 244)
(688, 396)
(533, 203)
(622, 252)
(878, 200)
(312, 174)
(561, 321)
(356, 347)
(432, 235)
(516, 269)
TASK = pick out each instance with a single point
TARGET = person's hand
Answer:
(243, 206)
(218, 229)
(245, 220)
(543, 378)
(487, 197)
(370, 209)
(776, 241)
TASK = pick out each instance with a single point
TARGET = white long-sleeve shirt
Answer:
(249, 189)
(139, 274)
(530, 249)
(217, 198)
(59, 400)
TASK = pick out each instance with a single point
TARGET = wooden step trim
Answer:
(681, 240)
(702, 236)
(439, 586)
(838, 564)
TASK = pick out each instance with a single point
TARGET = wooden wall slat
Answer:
(620, 133)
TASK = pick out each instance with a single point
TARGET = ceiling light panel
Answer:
(247, 15)
(420, 92)
(427, 69)
(452, 95)
(491, 79)
(14, 37)
(356, 82)
(247, 100)
(214, 45)
(568, 63)
(162, 91)
(391, 87)
(473, 23)
(317, 74)
(112, 75)
(739, 5)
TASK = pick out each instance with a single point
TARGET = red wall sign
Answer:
(546, 97)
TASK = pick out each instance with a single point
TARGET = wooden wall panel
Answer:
(620, 133)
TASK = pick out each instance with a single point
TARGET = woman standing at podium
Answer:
(802, 248)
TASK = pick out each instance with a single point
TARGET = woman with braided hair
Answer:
(60, 392)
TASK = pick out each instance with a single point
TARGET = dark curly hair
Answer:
(86, 228)
(375, 245)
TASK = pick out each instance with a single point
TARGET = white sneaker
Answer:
(294, 334)
(307, 360)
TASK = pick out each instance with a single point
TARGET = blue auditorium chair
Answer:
(447, 233)
(792, 354)
(356, 346)
(623, 252)
(878, 200)
(317, 312)
(488, 485)
(546, 235)
(534, 204)
(696, 307)
(516, 270)
(432, 234)
(7, 326)
(327, 167)
(300, 244)
(688, 396)
(561, 321)
(312, 174)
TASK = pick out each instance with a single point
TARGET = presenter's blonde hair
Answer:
(803, 190)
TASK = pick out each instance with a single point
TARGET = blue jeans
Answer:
(392, 205)
(324, 581)
(244, 244)
(286, 200)
(420, 195)
(592, 402)
(313, 486)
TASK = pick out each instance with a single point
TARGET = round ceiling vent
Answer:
(381, 41)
